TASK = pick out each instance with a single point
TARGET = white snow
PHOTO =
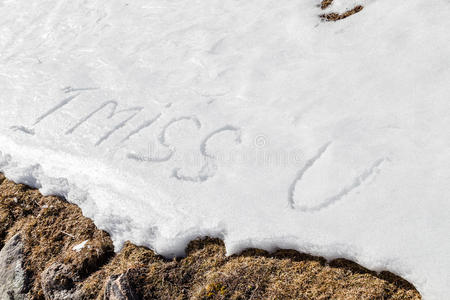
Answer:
(80, 246)
(249, 120)
(344, 5)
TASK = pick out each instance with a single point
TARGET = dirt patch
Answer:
(51, 227)
(335, 16)
(325, 3)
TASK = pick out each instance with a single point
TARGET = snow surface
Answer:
(249, 120)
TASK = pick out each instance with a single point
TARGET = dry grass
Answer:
(325, 3)
(335, 16)
(206, 273)
(51, 227)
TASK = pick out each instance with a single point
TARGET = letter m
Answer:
(131, 113)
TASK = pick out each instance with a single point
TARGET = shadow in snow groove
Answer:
(358, 181)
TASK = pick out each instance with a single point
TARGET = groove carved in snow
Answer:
(343, 192)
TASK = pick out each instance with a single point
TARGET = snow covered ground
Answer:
(250, 120)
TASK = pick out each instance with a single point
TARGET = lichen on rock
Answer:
(13, 278)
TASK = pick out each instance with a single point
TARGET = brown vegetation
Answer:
(335, 16)
(50, 227)
(325, 3)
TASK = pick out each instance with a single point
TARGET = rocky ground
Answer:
(39, 260)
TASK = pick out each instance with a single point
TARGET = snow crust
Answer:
(80, 246)
(250, 120)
